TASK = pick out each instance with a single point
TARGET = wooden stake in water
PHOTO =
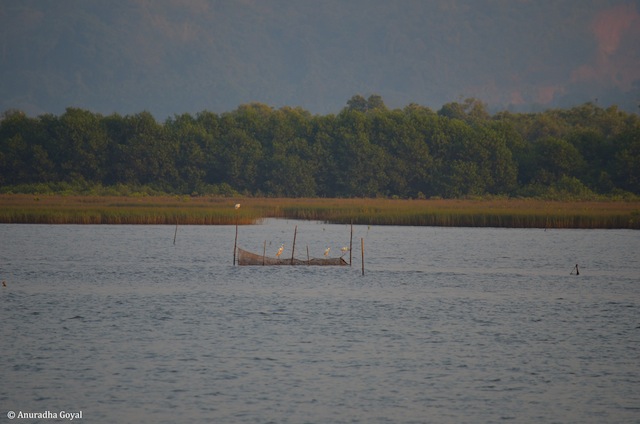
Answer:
(362, 248)
(264, 251)
(293, 248)
(235, 243)
(176, 232)
(351, 244)
(575, 268)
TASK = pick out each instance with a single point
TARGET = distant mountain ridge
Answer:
(173, 56)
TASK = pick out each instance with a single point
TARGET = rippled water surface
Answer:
(448, 325)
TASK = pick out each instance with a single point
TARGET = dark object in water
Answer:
(577, 271)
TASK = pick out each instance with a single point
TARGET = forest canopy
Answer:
(366, 150)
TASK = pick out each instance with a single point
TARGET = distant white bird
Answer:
(237, 205)
(344, 250)
(280, 251)
(326, 252)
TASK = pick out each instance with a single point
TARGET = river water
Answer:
(447, 325)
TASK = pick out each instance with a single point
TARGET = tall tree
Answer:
(556, 158)
(189, 140)
(82, 145)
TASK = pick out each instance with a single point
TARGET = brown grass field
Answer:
(515, 213)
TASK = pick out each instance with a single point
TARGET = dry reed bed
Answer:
(516, 213)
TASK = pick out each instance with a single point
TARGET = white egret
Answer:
(237, 205)
(280, 250)
(344, 250)
(326, 252)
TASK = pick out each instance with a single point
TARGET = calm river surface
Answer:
(448, 325)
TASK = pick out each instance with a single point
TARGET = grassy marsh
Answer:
(516, 213)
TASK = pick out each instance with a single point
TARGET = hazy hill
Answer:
(175, 56)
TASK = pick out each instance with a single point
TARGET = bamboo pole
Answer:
(293, 248)
(235, 243)
(362, 249)
(351, 244)
(264, 251)
(308, 258)
(176, 233)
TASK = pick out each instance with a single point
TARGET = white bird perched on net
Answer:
(237, 206)
(326, 252)
(344, 250)
(280, 250)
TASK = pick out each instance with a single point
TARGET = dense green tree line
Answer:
(366, 150)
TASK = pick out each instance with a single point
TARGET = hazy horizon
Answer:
(184, 56)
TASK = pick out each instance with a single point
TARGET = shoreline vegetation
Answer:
(365, 151)
(187, 210)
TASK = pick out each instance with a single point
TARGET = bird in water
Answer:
(4, 283)
(326, 252)
(280, 251)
